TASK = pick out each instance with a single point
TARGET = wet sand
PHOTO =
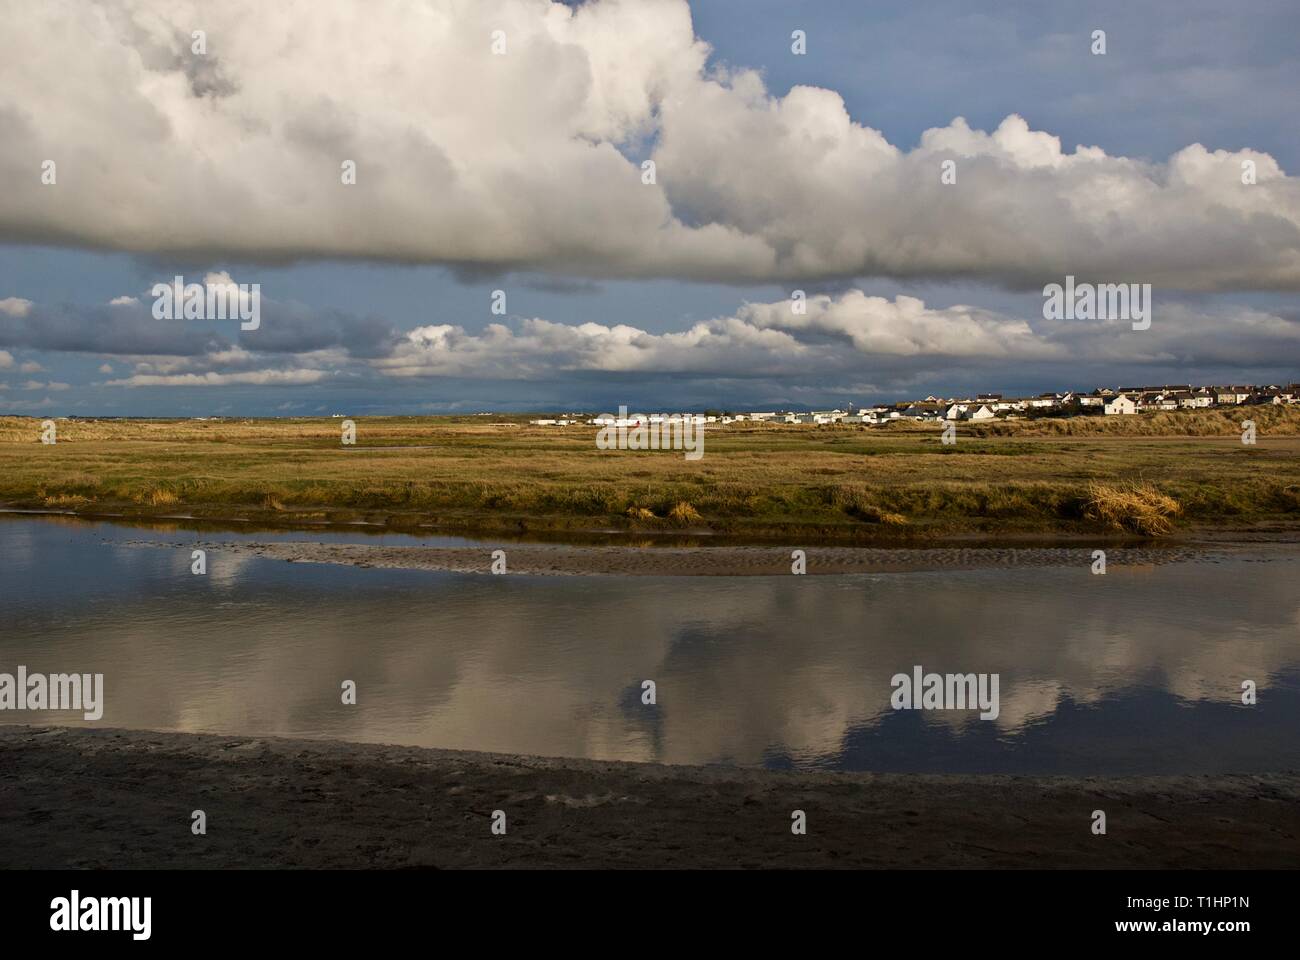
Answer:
(111, 798)
(720, 561)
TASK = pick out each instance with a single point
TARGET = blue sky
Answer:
(1174, 74)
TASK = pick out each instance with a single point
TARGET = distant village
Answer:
(1122, 401)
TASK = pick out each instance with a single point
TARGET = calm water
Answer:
(1136, 671)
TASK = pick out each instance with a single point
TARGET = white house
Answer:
(919, 411)
(1120, 404)
(982, 412)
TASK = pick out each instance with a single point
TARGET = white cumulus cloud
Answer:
(532, 159)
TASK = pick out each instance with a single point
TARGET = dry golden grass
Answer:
(65, 501)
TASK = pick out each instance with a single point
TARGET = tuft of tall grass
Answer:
(1136, 507)
(156, 497)
(683, 513)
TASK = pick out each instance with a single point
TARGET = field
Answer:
(1146, 475)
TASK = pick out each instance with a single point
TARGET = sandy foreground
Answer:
(723, 561)
(114, 798)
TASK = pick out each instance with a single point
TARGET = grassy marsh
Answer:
(1144, 475)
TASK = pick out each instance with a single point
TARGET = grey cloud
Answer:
(112, 330)
(846, 341)
(296, 328)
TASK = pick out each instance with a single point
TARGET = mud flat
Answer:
(721, 561)
(76, 797)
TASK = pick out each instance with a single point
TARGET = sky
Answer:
(446, 206)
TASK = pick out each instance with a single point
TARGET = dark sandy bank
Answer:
(113, 798)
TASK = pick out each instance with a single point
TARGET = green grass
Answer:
(497, 473)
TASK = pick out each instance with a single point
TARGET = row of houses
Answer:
(644, 419)
(1134, 400)
(1103, 400)
(984, 406)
